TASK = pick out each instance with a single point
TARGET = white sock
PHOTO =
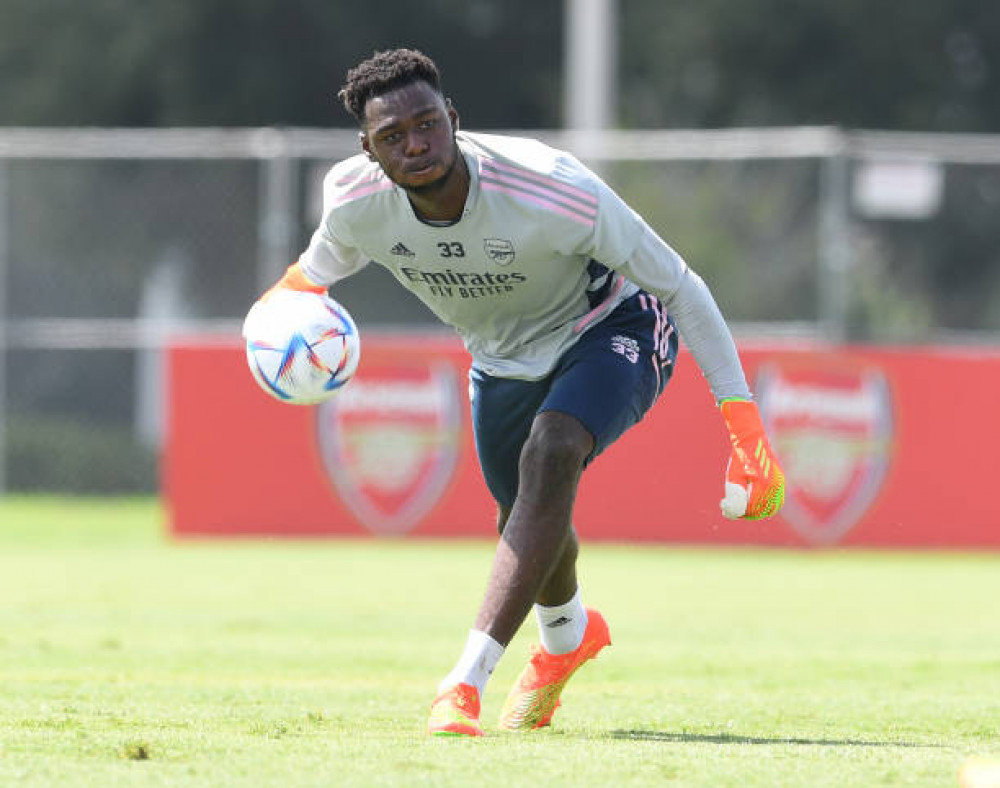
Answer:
(480, 657)
(562, 627)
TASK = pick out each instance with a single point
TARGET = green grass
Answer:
(130, 659)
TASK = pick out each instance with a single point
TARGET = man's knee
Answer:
(557, 443)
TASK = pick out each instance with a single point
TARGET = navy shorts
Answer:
(607, 380)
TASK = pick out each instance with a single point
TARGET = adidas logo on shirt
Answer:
(401, 250)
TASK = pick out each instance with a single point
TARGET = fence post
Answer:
(590, 64)
(834, 251)
(4, 279)
(276, 222)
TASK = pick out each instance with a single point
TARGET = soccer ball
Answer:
(301, 347)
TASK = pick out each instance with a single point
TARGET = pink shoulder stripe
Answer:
(355, 176)
(516, 183)
(545, 180)
(548, 205)
(363, 189)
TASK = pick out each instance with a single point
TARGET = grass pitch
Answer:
(128, 659)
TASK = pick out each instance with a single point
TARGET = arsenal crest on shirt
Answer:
(390, 442)
(831, 422)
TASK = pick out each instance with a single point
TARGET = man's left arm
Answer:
(755, 481)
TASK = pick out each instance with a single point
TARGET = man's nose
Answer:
(415, 144)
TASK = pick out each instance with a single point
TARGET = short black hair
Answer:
(382, 72)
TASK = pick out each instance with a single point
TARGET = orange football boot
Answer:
(455, 712)
(535, 696)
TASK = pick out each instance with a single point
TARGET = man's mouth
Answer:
(420, 168)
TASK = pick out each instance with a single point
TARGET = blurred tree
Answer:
(264, 62)
(932, 65)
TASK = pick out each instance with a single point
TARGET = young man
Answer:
(567, 302)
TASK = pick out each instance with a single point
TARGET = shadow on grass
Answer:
(731, 738)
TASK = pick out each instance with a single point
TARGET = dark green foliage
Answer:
(933, 65)
(930, 66)
(52, 453)
(263, 62)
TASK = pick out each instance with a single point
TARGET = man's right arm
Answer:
(294, 279)
(325, 261)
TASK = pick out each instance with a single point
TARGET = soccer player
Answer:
(570, 306)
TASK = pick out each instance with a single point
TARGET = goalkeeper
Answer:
(570, 306)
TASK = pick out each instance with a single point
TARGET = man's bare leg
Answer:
(562, 581)
(536, 554)
(535, 561)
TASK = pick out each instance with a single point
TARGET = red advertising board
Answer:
(881, 447)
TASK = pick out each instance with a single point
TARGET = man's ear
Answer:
(363, 140)
(452, 114)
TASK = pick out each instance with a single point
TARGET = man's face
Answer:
(410, 132)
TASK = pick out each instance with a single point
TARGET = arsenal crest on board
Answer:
(390, 442)
(831, 422)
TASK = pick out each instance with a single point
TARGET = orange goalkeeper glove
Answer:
(755, 483)
(295, 279)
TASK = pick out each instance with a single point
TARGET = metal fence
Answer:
(110, 240)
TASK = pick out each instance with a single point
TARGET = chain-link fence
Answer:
(110, 240)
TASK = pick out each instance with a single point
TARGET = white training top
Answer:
(543, 250)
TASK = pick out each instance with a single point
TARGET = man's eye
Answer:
(427, 124)
(392, 138)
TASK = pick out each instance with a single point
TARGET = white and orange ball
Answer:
(301, 347)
